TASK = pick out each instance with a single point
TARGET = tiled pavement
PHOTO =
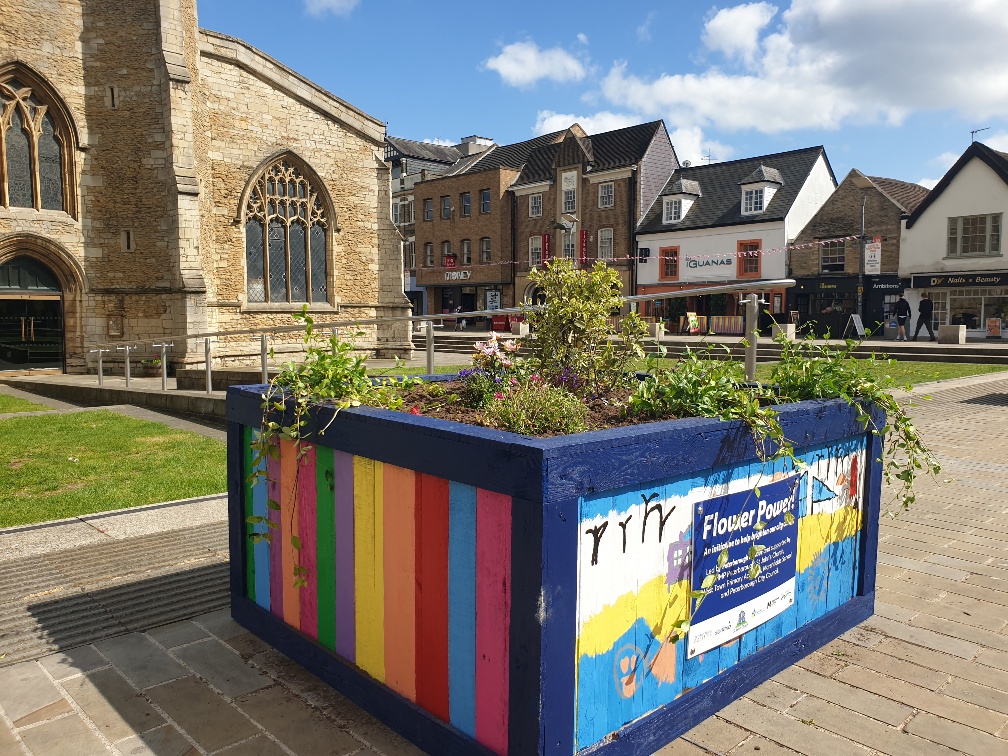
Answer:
(927, 675)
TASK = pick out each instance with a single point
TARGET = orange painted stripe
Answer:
(288, 516)
(400, 581)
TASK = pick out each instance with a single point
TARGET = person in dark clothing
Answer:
(902, 313)
(924, 312)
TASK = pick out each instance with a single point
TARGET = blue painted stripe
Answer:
(462, 606)
(260, 551)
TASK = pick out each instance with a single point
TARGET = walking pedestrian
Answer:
(924, 312)
(902, 313)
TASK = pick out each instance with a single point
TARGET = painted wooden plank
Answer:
(369, 595)
(493, 616)
(462, 605)
(432, 595)
(346, 612)
(729, 655)
(400, 581)
(325, 546)
(236, 534)
(248, 510)
(306, 516)
(288, 514)
(277, 536)
(703, 667)
(261, 550)
(524, 645)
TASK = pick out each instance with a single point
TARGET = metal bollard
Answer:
(206, 356)
(430, 347)
(164, 364)
(751, 334)
(265, 356)
(100, 352)
(126, 349)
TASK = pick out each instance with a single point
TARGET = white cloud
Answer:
(548, 121)
(997, 141)
(336, 7)
(945, 160)
(522, 64)
(831, 62)
(928, 183)
(690, 144)
(582, 38)
(735, 31)
(644, 30)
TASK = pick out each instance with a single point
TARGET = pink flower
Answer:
(514, 381)
(414, 411)
(498, 395)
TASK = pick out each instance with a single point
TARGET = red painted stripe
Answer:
(276, 537)
(432, 595)
(307, 523)
(493, 618)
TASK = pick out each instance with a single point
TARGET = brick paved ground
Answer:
(927, 675)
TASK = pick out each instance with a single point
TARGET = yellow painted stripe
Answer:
(369, 591)
(660, 605)
(817, 531)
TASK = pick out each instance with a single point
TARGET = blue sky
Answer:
(891, 87)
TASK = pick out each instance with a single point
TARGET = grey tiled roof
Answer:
(508, 155)
(684, 186)
(763, 173)
(438, 153)
(720, 203)
(620, 148)
(908, 196)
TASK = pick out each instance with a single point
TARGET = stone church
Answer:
(159, 180)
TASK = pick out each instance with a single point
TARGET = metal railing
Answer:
(751, 302)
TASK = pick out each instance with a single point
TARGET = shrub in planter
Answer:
(489, 592)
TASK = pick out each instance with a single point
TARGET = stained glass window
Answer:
(50, 166)
(285, 202)
(19, 170)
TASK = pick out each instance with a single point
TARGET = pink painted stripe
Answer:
(306, 504)
(276, 538)
(493, 618)
(346, 627)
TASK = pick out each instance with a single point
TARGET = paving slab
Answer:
(161, 741)
(759, 746)
(790, 732)
(258, 746)
(956, 736)
(220, 624)
(855, 699)
(296, 724)
(716, 735)
(73, 662)
(112, 704)
(69, 735)
(177, 633)
(207, 717)
(140, 659)
(222, 667)
(25, 689)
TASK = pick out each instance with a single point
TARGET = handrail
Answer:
(777, 283)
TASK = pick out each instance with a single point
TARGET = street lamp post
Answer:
(865, 184)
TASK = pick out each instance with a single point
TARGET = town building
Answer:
(727, 223)
(158, 179)
(951, 244)
(825, 258)
(580, 197)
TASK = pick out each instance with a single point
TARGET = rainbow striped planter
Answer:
(488, 593)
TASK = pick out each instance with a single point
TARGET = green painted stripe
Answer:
(325, 546)
(247, 508)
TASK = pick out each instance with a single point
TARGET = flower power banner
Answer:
(757, 530)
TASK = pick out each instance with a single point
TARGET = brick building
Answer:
(827, 254)
(496, 214)
(157, 179)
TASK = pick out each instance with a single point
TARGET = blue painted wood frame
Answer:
(545, 478)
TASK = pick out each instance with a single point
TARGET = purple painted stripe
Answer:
(346, 634)
(276, 539)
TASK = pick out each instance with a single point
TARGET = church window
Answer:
(35, 155)
(285, 237)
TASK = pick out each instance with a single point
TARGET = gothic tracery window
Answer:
(285, 237)
(34, 149)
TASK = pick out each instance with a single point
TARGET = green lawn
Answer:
(914, 372)
(59, 466)
(10, 403)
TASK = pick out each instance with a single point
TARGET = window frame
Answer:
(533, 240)
(611, 195)
(395, 213)
(446, 208)
(537, 196)
(569, 201)
(841, 262)
(465, 203)
(486, 250)
(428, 255)
(742, 259)
(603, 232)
(675, 205)
(990, 220)
(666, 254)
(428, 208)
(749, 201)
(466, 252)
(411, 254)
(485, 201)
(446, 252)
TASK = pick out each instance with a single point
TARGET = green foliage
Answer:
(572, 345)
(494, 364)
(533, 407)
(808, 370)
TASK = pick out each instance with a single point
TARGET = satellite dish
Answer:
(686, 163)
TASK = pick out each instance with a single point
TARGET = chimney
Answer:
(470, 145)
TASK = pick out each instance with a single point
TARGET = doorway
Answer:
(31, 317)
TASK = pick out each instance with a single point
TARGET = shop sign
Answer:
(970, 279)
(449, 261)
(709, 262)
(993, 328)
(457, 275)
(873, 258)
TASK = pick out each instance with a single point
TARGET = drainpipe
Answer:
(514, 253)
(631, 227)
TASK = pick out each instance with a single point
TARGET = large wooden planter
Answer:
(483, 592)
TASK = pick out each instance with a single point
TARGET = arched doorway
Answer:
(31, 316)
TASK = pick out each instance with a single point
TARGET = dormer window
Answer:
(673, 211)
(752, 201)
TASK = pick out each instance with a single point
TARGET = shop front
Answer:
(978, 301)
(446, 299)
(722, 313)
